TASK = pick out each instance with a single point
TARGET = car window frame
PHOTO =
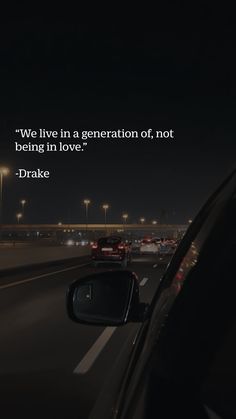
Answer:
(147, 333)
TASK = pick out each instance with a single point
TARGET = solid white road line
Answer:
(24, 281)
(143, 282)
(95, 350)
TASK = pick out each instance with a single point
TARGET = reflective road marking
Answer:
(24, 281)
(91, 356)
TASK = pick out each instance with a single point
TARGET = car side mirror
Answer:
(108, 298)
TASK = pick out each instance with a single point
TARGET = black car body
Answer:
(183, 363)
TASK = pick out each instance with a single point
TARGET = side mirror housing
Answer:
(109, 298)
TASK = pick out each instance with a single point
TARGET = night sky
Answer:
(84, 75)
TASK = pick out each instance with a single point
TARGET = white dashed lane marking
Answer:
(88, 360)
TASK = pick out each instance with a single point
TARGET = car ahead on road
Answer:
(111, 249)
(148, 246)
(183, 362)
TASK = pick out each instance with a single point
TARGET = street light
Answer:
(124, 216)
(105, 207)
(4, 171)
(154, 222)
(86, 203)
(19, 215)
(142, 220)
(23, 202)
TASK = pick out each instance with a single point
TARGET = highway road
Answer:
(51, 367)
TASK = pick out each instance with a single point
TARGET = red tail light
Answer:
(121, 246)
(94, 246)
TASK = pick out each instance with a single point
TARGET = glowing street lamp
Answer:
(19, 215)
(4, 171)
(86, 203)
(105, 207)
(142, 220)
(23, 202)
(154, 222)
(125, 216)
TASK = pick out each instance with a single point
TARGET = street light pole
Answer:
(3, 172)
(124, 216)
(105, 207)
(1, 188)
(86, 203)
(18, 216)
(23, 202)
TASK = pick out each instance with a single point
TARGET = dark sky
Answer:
(85, 75)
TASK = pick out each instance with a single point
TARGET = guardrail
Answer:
(91, 227)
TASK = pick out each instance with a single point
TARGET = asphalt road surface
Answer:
(51, 367)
